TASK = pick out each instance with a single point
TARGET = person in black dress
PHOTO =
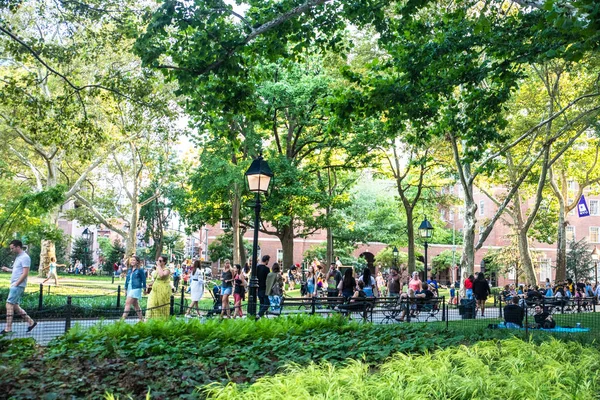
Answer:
(481, 290)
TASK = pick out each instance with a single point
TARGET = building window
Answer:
(451, 215)
(461, 214)
(569, 201)
(571, 185)
(280, 256)
(461, 192)
(594, 234)
(443, 215)
(545, 269)
(225, 225)
(594, 210)
(481, 207)
(571, 234)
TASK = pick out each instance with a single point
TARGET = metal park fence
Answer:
(56, 313)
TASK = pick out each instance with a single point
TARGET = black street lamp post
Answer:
(425, 231)
(395, 253)
(258, 176)
(85, 235)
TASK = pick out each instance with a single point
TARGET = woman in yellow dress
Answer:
(160, 296)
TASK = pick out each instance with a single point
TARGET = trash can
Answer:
(466, 309)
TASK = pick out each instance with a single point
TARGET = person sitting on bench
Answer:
(514, 314)
(357, 301)
(425, 294)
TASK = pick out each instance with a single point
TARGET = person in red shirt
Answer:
(469, 286)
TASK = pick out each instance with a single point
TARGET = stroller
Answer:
(217, 301)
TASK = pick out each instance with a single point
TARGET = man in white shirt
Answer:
(18, 282)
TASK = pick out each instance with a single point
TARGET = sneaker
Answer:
(30, 328)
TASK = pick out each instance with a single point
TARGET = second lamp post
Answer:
(426, 232)
(258, 176)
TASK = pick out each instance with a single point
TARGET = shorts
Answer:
(15, 295)
(135, 293)
(311, 288)
(226, 290)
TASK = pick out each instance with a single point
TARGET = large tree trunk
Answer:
(235, 224)
(48, 251)
(525, 255)
(47, 247)
(561, 243)
(467, 260)
(410, 233)
(242, 250)
(330, 258)
(523, 242)
(131, 241)
(287, 244)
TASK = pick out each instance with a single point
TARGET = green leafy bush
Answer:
(172, 358)
(509, 369)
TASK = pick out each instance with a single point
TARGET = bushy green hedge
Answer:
(173, 358)
(508, 369)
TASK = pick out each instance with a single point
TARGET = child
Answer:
(452, 295)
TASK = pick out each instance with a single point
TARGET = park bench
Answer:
(302, 305)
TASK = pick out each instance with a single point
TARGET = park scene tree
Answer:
(458, 141)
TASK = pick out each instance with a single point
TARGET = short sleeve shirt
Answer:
(22, 261)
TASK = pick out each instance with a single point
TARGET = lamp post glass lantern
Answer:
(395, 254)
(258, 177)
(426, 232)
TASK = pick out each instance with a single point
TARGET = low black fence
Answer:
(55, 314)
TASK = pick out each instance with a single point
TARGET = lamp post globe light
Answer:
(395, 254)
(426, 232)
(595, 257)
(85, 235)
(258, 177)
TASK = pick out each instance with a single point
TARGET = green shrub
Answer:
(509, 369)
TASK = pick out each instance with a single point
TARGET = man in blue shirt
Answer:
(18, 283)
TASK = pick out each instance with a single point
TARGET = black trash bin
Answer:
(466, 309)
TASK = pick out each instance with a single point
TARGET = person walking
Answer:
(226, 288)
(311, 282)
(52, 271)
(196, 287)
(160, 297)
(274, 287)
(394, 286)
(18, 283)
(134, 284)
(239, 291)
(262, 271)
(469, 287)
(481, 290)
(176, 277)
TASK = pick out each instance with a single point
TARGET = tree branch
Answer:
(99, 216)
(36, 172)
